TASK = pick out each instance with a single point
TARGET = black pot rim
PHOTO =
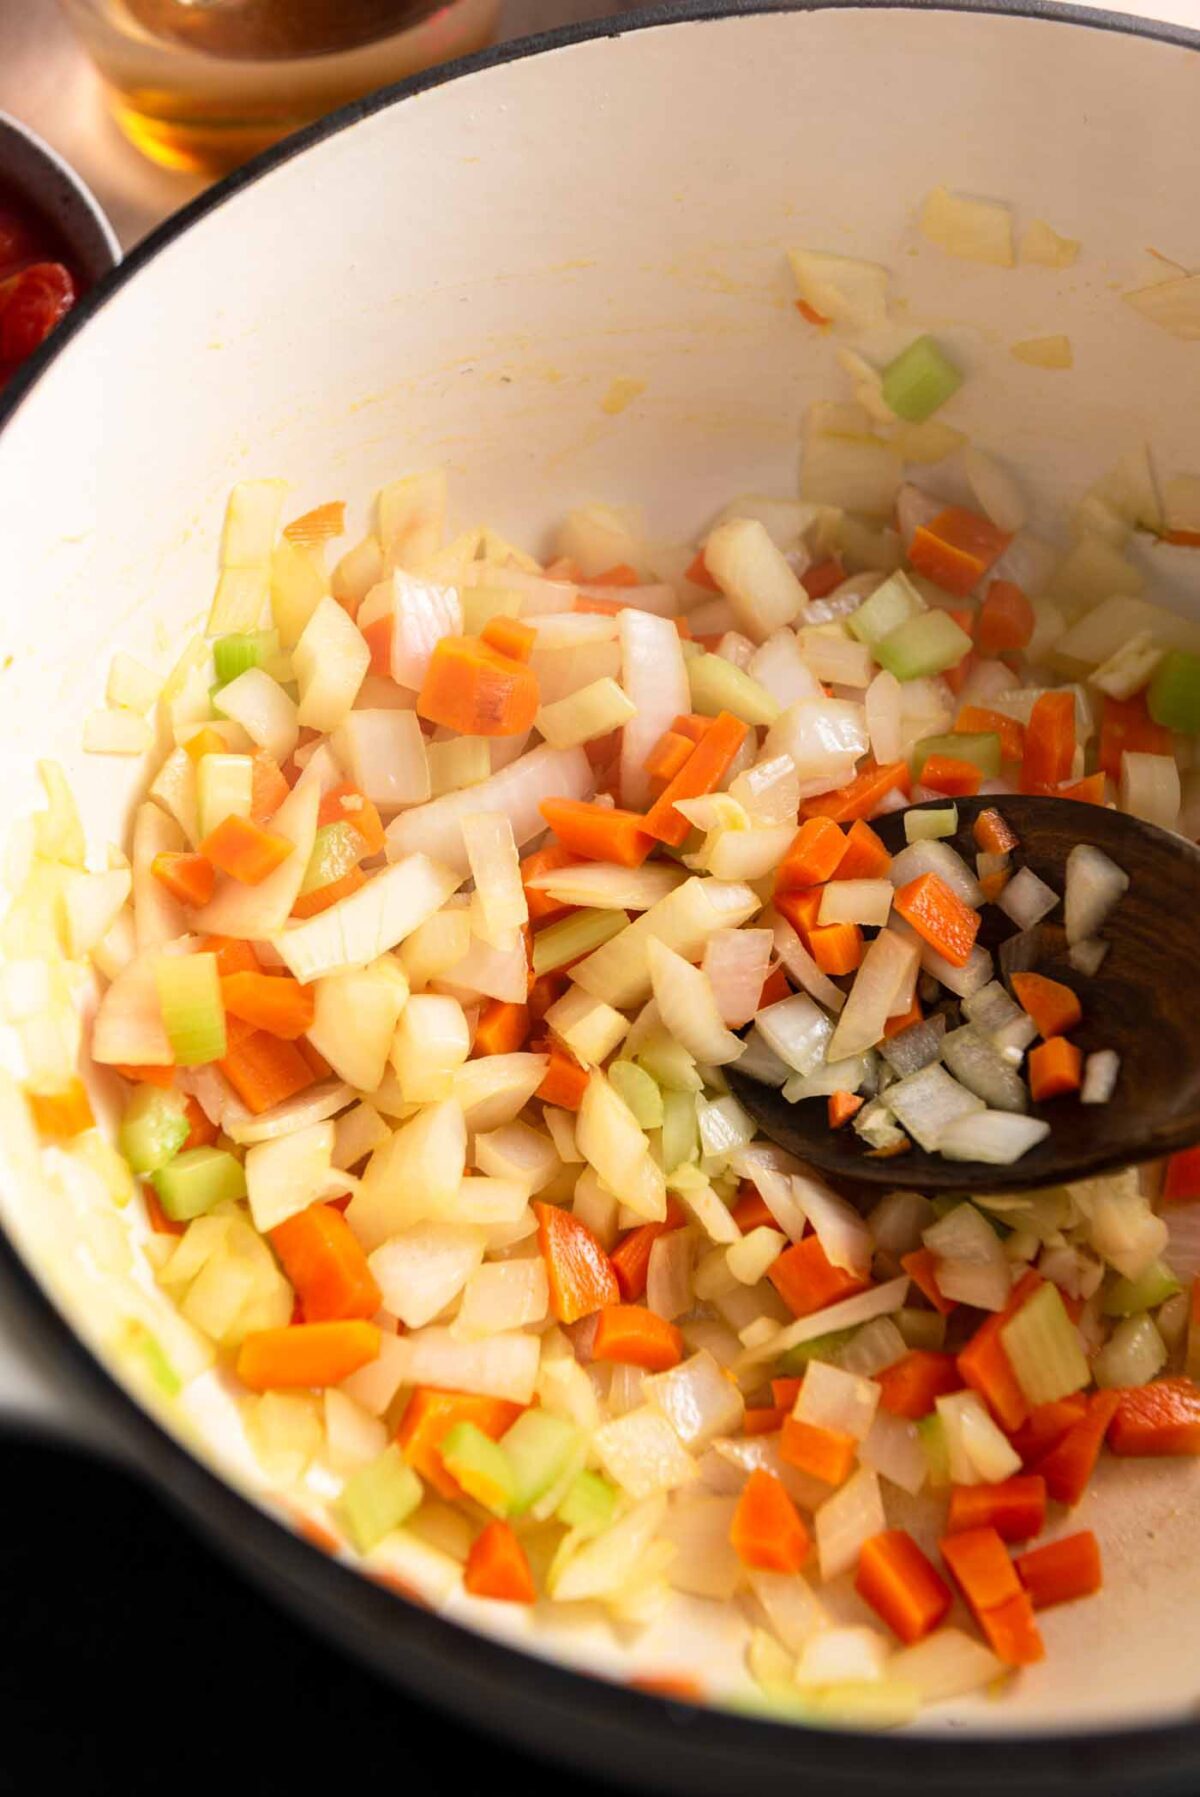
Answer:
(450, 1664)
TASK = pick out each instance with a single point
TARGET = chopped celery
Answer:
(981, 749)
(641, 1094)
(889, 606)
(336, 849)
(717, 685)
(930, 825)
(920, 646)
(481, 1467)
(821, 1347)
(1173, 696)
(584, 715)
(232, 655)
(680, 1130)
(1043, 1346)
(932, 1431)
(224, 788)
(590, 1505)
(538, 1450)
(197, 1181)
(669, 1064)
(919, 381)
(378, 1498)
(189, 992)
(153, 1128)
(574, 936)
(921, 1328)
(1129, 1297)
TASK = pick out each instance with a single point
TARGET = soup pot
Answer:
(459, 271)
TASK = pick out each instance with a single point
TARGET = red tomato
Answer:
(37, 300)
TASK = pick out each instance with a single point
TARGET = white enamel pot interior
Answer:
(459, 277)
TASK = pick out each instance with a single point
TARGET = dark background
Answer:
(133, 1660)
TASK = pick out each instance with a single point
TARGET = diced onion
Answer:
(926, 1102)
(1095, 884)
(1026, 899)
(642, 1453)
(425, 1268)
(735, 964)
(996, 490)
(936, 858)
(516, 792)
(946, 1664)
(697, 1399)
(893, 1449)
(842, 288)
(501, 1366)
(669, 1274)
(619, 971)
(1100, 1073)
(996, 1137)
(1150, 788)
(831, 1398)
(974, 230)
(1133, 1355)
(796, 1030)
(971, 1265)
(847, 1520)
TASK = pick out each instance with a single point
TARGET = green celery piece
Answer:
(919, 381)
(930, 826)
(481, 1467)
(590, 1505)
(1173, 696)
(336, 849)
(1044, 1350)
(189, 991)
(574, 936)
(932, 1432)
(639, 1091)
(981, 749)
(717, 685)
(668, 1063)
(921, 1328)
(197, 1181)
(1129, 1297)
(153, 1129)
(891, 604)
(232, 655)
(680, 1130)
(821, 1347)
(920, 646)
(538, 1449)
(378, 1498)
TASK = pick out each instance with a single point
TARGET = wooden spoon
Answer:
(1144, 1003)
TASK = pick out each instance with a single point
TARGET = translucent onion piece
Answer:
(946, 1664)
(926, 1102)
(697, 1399)
(997, 1137)
(831, 1398)
(887, 962)
(1095, 884)
(1100, 1074)
(980, 1066)
(424, 1269)
(655, 681)
(936, 858)
(642, 1453)
(516, 792)
(893, 1449)
(796, 1030)
(619, 972)
(735, 964)
(847, 1520)
(996, 490)
(669, 1274)
(1026, 899)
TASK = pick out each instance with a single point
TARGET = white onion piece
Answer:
(257, 911)
(735, 964)
(619, 971)
(842, 1656)
(933, 857)
(874, 1347)
(1026, 899)
(1150, 788)
(358, 929)
(724, 1127)
(1123, 1229)
(654, 677)
(669, 1274)
(856, 901)
(916, 1047)
(915, 508)
(782, 671)
(970, 1263)
(879, 1301)
(842, 288)
(496, 1088)
(789, 1605)
(781, 1196)
(741, 854)
(501, 1366)
(158, 916)
(642, 1453)
(831, 1398)
(888, 961)
(516, 792)
(128, 1025)
(422, 615)
(897, 1221)
(604, 1565)
(1133, 1354)
(926, 1102)
(1100, 1073)
(697, 1399)
(688, 1007)
(996, 490)
(1095, 884)
(491, 972)
(266, 713)
(978, 1453)
(946, 1664)
(313, 1106)
(769, 792)
(795, 1029)
(384, 754)
(608, 1135)
(823, 737)
(425, 1268)
(852, 1075)
(1087, 957)
(847, 1520)
(997, 1137)
(504, 1295)
(882, 704)
(802, 968)
(840, 1229)
(603, 886)
(893, 1450)
(980, 1066)
(762, 1063)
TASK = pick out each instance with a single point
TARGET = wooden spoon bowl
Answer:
(1144, 1002)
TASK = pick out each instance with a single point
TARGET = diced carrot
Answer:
(62, 1114)
(498, 1567)
(993, 835)
(202, 1131)
(903, 1020)
(206, 741)
(502, 1028)
(1012, 1633)
(345, 804)
(377, 635)
(785, 1391)
(825, 1454)
(268, 787)
(911, 1387)
(1046, 1425)
(843, 1106)
(1092, 790)
(823, 578)
(621, 575)
(678, 1686)
(305, 1354)
(244, 850)
(189, 878)
(599, 832)
(1160, 1418)
(985, 1366)
(862, 796)
(163, 1077)
(863, 855)
(667, 756)
(322, 897)
(1181, 1180)
(811, 315)
(992, 885)
(1126, 724)
(1049, 743)
(264, 1071)
(634, 1336)
(272, 1002)
(921, 1267)
(508, 636)
(318, 526)
(901, 1585)
(767, 1531)
(766, 1420)
(1006, 619)
(1055, 1068)
(631, 1256)
(428, 1418)
(800, 908)
(939, 917)
(697, 572)
(956, 549)
(1015, 1508)
(1182, 539)
(982, 1568)
(836, 948)
(812, 856)
(691, 724)
(565, 1082)
(1062, 1570)
(471, 688)
(545, 861)
(750, 1211)
(807, 1280)
(980, 720)
(701, 773)
(321, 1256)
(1070, 1464)
(159, 1221)
(775, 987)
(1054, 1007)
(232, 953)
(582, 1279)
(951, 775)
